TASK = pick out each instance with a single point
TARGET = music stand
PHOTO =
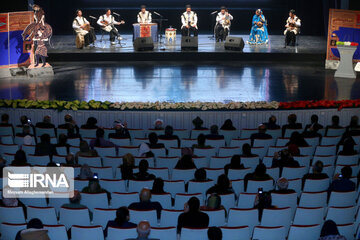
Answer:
(160, 22)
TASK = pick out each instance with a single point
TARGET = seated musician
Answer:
(223, 22)
(144, 16)
(82, 26)
(189, 21)
(259, 33)
(107, 23)
(293, 24)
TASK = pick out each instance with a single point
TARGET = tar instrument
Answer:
(226, 22)
(259, 24)
(106, 23)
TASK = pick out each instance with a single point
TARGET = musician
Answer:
(107, 23)
(223, 22)
(189, 21)
(82, 26)
(144, 16)
(259, 32)
(293, 24)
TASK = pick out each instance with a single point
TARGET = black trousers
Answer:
(290, 38)
(113, 34)
(220, 32)
(189, 31)
(90, 37)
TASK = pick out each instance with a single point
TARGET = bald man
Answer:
(145, 203)
(143, 230)
(261, 134)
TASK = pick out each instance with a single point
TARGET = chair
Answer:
(137, 216)
(91, 161)
(227, 200)
(174, 152)
(253, 186)
(342, 199)
(293, 172)
(331, 132)
(56, 232)
(193, 233)
(101, 216)
(341, 215)
(7, 139)
(174, 187)
(164, 199)
(158, 152)
(237, 186)
(47, 215)
(295, 184)
(214, 173)
(87, 232)
(201, 162)
(79, 184)
(137, 133)
(309, 216)
(273, 149)
(182, 133)
(106, 151)
(289, 131)
(40, 131)
(303, 161)
(181, 199)
(112, 162)
(285, 200)
(216, 217)
(347, 230)
(164, 233)
(333, 140)
(269, 233)
(276, 217)
(306, 151)
(260, 151)
(74, 149)
(38, 160)
(234, 174)
(228, 135)
(216, 143)
(6, 130)
(121, 233)
(103, 172)
(59, 159)
(94, 200)
(250, 162)
(316, 185)
(138, 141)
(313, 141)
(137, 186)
(169, 218)
(10, 230)
(195, 133)
(58, 201)
(167, 162)
(35, 202)
(281, 142)
(123, 150)
(266, 143)
(169, 142)
(347, 160)
(275, 133)
(309, 232)
(313, 199)
(113, 185)
(123, 199)
(325, 150)
(20, 140)
(243, 217)
(229, 151)
(218, 162)
(29, 149)
(236, 233)
(183, 174)
(247, 132)
(239, 142)
(328, 169)
(150, 161)
(12, 215)
(188, 142)
(120, 141)
(205, 152)
(8, 148)
(160, 172)
(74, 216)
(87, 133)
(200, 187)
(9, 157)
(107, 131)
(74, 142)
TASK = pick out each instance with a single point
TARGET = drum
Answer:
(146, 30)
(79, 41)
(170, 34)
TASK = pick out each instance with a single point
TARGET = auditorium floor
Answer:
(181, 81)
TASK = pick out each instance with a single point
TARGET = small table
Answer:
(346, 68)
(146, 30)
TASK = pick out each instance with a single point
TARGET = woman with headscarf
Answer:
(259, 32)
(235, 163)
(228, 125)
(330, 231)
(85, 151)
(34, 230)
(127, 167)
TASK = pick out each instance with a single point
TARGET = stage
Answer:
(309, 48)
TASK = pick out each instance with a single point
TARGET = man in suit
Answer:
(45, 147)
(46, 123)
(145, 203)
(261, 134)
(69, 123)
(214, 133)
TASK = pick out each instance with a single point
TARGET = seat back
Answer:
(229, 151)
(101, 216)
(181, 199)
(87, 232)
(160, 172)
(205, 152)
(236, 233)
(239, 142)
(120, 141)
(316, 185)
(200, 187)
(243, 217)
(164, 199)
(12, 215)
(234, 174)
(216, 217)
(88, 133)
(137, 216)
(193, 233)
(341, 215)
(91, 161)
(174, 187)
(214, 173)
(103, 172)
(137, 186)
(310, 232)
(195, 133)
(253, 186)
(276, 217)
(169, 143)
(123, 199)
(94, 200)
(250, 162)
(237, 186)
(331, 132)
(313, 199)
(269, 233)
(121, 233)
(228, 135)
(309, 216)
(293, 172)
(163, 233)
(169, 218)
(113, 185)
(325, 150)
(10, 230)
(56, 232)
(183, 174)
(74, 216)
(218, 162)
(342, 199)
(47, 215)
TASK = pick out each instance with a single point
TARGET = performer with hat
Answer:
(189, 21)
(144, 16)
(223, 22)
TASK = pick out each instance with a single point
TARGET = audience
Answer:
(223, 186)
(45, 147)
(314, 123)
(28, 138)
(34, 230)
(5, 121)
(127, 167)
(46, 123)
(121, 220)
(121, 130)
(145, 151)
(158, 124)
(90, 124)
(271, 124)
(258, 175)
(342, 182)
(62, 142)
(145, 203)
(284, 160)
(72, 132)
(228, 125)
(85, 151)
(20, 159)
(214, 233)
(235, 163)
(201, 139)
(69, 122)
(185, 162)
(214, 133)
(100, 141)
(261, 134)
(94, 187)
(348, 147)
(329, 231)
(316, 173)
(192, 217)
(198, 124)
(85, 172)
(282, 185)
(297, 139)
(246, 151)
(153, 141)
(143, 174)
(292, 124)
(158, 186)
(143, 229)
(169, 135)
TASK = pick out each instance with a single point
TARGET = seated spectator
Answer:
(20, 159)
(201, 139)
(85, 172)
(200, 175)
(143, 174)
(127, 167)
(214, 133)
(62, 142)
(192, 217)
(24, 120)
(34, 230)
(213, 203)
(292, 124)
(158, 186)
(145, 151)
(297, 139)
(26, 135)
(246, 151)
(85, 151)
(342, 182)
(46, 123)
(214, 233)
(198, 124)
(335, 123)
(261, 134)
(312, 132)
(143, 229)
(121, 130)
(158, 124)
(228, 125)
(282, 185)
(314, 123)
(235, 163)
(263, 200)
(169, 135)
(284, 160)
(329, 231)
(223, 186)
(145, 203)
(94, 187)
(72, 132)
(316, 174)
(5, 121)
(258, 175)
(348, 147)
(121, 220)
(12, 201)
(354, 124)
(70, 161)
(74, 202)
(45, 147)
(69, 122)
(294, 150)
(153, 141)
(90, 123)
(271, 124)
(185, 162)
(100, 141)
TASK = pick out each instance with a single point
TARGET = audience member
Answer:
(354, 124)
(145, 203)
(246, 151)
(90, 123)
(271, 124)
(121, 130)
(192, 217)
(34, 230)
(348, 147)
(297, 139)
(214, 233)
(329, 231)
(28, 138)
(335, 122)
(261, 134)
(169, 135)
(153, 141)
(201, 139)
(235, 163)
(45, 147)
(12, 201)
(263, 200)
(20, 159)
(100, 141)
(223, 186)
(198, 124)
(292, 124)
(143, 229)
(185, 162)
(70, 161)
(214, 133)
(46, 123)
(294, 150)
(284, 160)
(121, 220)
(316, 173)
(143, 174)
(145, 151)
(312, 131)
(85, 172)
(62, 142)
(85, 151)
(158, 124)
(282, 185)
(74, 202)
(158, 186)
(127, 167)
(24, 120)
(5, 121)
(200, 175)
(258, 175)
(69, 122)
(213, 203)
(228, 125)
(94, 187)
(342, 182)
(72, 132)
(314, 123)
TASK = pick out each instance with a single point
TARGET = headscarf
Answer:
(144, 148)
(329, 228)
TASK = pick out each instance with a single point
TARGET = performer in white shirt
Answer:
(293, 24)
(189, 21)
(82, 26)
(223, 22)
(144, 16)
(107, 23)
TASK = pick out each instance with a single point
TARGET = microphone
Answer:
(213, 12)
(157, 14)
(92, 17)
(116, 14)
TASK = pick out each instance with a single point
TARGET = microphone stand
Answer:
(120, 43)
(161, 20)
(213, 14)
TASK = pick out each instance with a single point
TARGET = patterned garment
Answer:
(41, 49)
(333, 237)
(258, 35)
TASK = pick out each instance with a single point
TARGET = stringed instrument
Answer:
(106, 23)
(259, 24)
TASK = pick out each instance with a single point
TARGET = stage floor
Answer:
(183, 81)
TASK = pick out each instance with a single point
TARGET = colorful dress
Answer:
(258, 35)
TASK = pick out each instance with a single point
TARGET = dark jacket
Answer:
(113, 223)
(193, 220)
(147, 206)
(259, 136)
(43, 149)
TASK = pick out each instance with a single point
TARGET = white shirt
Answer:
(296, 19)
(220, 17)
(189, 17)
(110, 19)
(78, 22)
(144, 17)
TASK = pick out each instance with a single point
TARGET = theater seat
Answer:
(87, 232)
(193, 233)
(309, 232)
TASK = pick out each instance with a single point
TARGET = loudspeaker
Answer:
(189, 43)
(234, 43)
(143, 44)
